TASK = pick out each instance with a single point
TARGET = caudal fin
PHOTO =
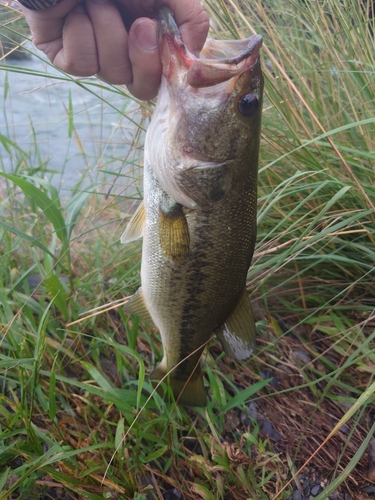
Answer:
(188, 391)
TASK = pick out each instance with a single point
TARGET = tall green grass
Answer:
(76, 409)
(13, 33)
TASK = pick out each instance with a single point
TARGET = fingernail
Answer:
(147, 35)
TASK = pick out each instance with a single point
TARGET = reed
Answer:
(77, 413)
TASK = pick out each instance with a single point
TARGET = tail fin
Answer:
(188, 391)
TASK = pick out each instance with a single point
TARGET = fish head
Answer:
(206, 127)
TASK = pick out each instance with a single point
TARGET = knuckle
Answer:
(81, 67)
(119, 76)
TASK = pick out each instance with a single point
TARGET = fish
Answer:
(198, 216)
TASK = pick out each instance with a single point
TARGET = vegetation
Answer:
(77, 413)
(13, 33)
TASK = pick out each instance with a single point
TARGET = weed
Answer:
(77, 413)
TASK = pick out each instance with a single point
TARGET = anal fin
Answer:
(137, 305)
(237, 334)
(134, 229)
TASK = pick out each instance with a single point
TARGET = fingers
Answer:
(47, 25)
(65, 34)
(83, 39)
(145, 59)
(75, 51)
(111, 39)
(132, 59)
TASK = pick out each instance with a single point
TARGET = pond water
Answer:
(68, 148)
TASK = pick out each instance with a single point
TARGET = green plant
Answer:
(76, 409)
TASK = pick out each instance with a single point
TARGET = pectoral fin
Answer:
(137, 305)
(134, 229)
(174, 235)
(237, 334)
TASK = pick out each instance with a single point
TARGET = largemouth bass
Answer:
(198, 218)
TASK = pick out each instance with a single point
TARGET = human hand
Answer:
(115, 39)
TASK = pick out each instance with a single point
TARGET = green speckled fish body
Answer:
(198, 218)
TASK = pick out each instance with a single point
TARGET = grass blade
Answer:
(48, 207)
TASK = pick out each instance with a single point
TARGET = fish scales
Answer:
(198, 218)
(182, 295)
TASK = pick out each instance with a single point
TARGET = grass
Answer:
(13, 30)
(77, 413)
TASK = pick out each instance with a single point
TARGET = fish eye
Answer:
(248, 104)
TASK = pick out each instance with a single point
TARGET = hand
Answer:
(91, 37)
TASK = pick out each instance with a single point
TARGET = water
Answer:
(35, 115)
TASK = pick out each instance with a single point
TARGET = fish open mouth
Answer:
(218, 62)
